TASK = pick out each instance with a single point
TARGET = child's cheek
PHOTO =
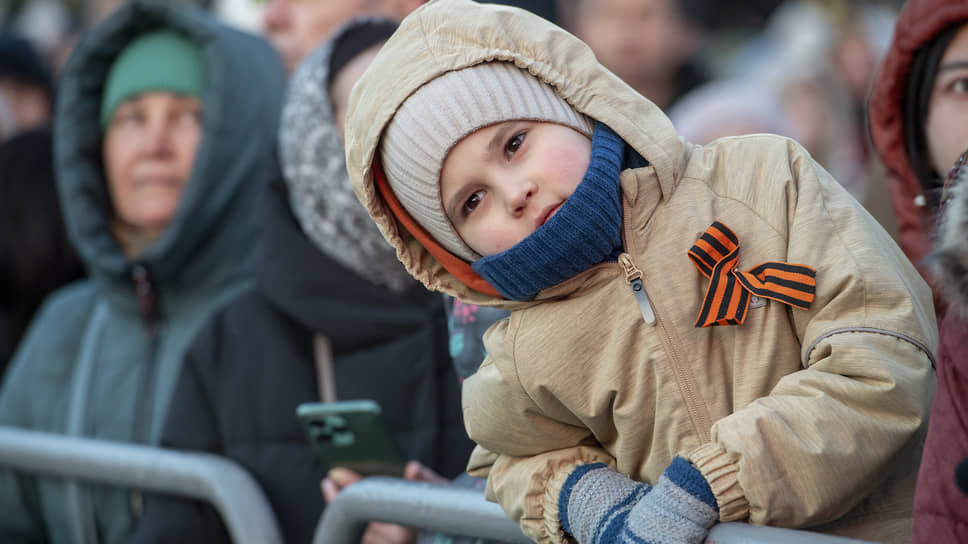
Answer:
(502, 238)
(568, 168)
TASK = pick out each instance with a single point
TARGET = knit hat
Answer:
(356, 37)
(157, 61)
(20, 62)
(445, 110)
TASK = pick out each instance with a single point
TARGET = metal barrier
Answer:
(217, 480)
(249, 518)
(433, 507)
(457, 511)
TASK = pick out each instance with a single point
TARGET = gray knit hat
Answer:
(440, 113)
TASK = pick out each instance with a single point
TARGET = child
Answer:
(510, 169)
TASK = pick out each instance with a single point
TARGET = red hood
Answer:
(918, 23)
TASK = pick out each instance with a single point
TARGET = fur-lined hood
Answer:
(950, 258)
(313, 165)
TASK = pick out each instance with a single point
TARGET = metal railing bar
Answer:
(432, 507)
(217, 480)
(460, 511)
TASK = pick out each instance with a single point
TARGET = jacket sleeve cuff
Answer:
(553, 526)
(480, 462)
(722, 473)
(556, 474)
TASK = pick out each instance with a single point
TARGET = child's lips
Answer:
(546, 214)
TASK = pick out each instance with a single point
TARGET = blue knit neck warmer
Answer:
(587, 230)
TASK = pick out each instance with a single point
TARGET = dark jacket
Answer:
(253, 364)
(323, 269)
(201, 260)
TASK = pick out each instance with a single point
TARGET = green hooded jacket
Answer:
(100, 361)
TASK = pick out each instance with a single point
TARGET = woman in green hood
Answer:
(164, 131)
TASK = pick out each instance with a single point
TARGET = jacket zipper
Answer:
(687, 387)
(634, 278)
(150, 317)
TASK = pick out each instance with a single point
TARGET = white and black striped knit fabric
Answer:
(599, 506)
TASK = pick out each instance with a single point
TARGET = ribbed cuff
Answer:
(553, 526)
(722, 474)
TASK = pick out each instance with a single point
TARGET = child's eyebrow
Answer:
(497, 140)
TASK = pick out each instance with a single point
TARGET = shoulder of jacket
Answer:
(736, 165)
(68, 301)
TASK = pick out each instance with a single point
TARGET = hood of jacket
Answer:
(208, 240)
(443, 36)
(314, 167)
(919, 22)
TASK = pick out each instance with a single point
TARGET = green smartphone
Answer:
(351, 434)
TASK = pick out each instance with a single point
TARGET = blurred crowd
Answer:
(798, 68)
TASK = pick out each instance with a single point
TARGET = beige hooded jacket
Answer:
(796, 418)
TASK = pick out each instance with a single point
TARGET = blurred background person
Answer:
(941, 497)
(296, 27)
(919, 125)
(164, 130)
(903, 134)
(819, 58)
(729, 108)
(333, 315)
(653, 45)
(26, 86)
(35, 255)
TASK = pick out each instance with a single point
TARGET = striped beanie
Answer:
(445, 110)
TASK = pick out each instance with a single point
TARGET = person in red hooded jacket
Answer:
(919, 124)
(898, 111)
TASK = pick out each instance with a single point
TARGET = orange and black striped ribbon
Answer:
(727, 300)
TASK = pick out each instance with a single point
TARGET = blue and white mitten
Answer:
(598, 506)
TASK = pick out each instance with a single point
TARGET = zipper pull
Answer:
(634, 278)
(146, 296)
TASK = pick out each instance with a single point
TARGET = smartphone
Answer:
(351, 434)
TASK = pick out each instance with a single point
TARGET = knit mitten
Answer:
(679, 509)
(598, 506)
(595, 501)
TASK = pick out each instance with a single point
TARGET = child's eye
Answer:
(513, 144)
(960, 85)
(472, 203)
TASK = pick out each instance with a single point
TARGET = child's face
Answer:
(502, 182)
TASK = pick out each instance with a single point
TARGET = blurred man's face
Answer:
(296, 27)
(639, 40)
(29, 103)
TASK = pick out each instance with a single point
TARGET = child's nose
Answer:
(520, 195)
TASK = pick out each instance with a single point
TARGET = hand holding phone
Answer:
(351, 434)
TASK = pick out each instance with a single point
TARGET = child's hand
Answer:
(599, 506)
